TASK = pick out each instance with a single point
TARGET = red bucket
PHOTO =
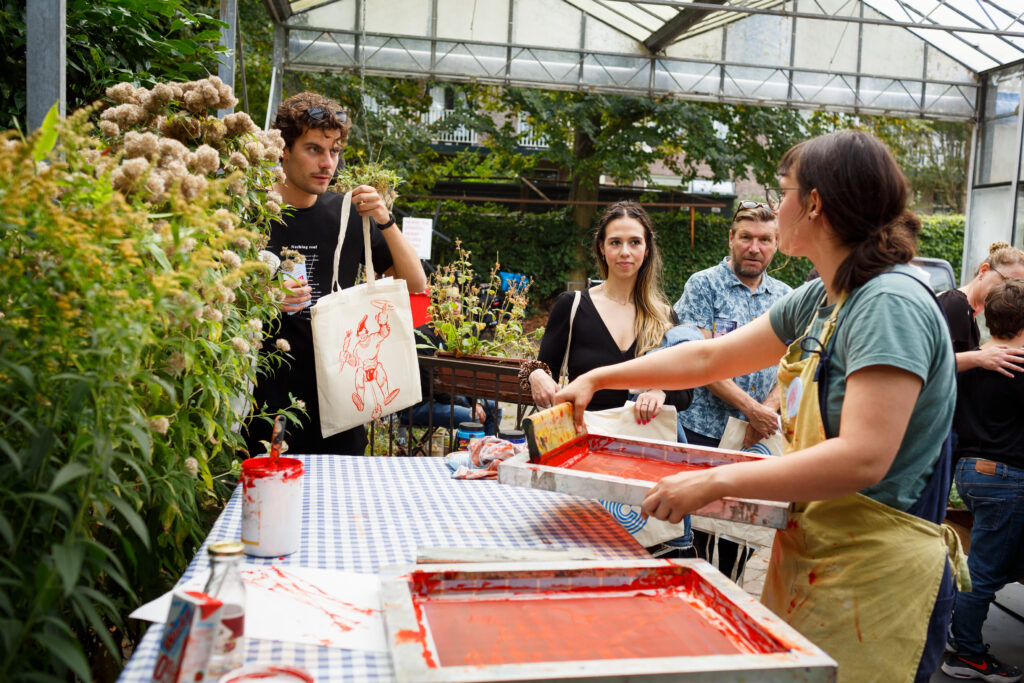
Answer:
(419, 302)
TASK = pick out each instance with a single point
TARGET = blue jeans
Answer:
(997, 544)
(458, 413)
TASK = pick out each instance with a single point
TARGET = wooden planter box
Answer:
(488, 377)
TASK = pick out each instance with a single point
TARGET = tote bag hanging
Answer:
(363, 345)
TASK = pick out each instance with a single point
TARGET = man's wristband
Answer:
(385, 226)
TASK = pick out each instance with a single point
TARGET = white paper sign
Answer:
(301, 605)
(419, 231)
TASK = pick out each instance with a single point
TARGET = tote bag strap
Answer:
(564, 372)
(346, 209)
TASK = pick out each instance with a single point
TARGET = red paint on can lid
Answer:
(261, 468)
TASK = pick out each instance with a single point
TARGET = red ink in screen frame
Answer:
(670, 613)
(580, 456)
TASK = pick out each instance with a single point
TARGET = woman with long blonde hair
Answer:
(623, 317)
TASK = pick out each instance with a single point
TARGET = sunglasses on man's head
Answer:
(319, 114)
(754, 205)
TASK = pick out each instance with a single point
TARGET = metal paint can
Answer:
(467, 432)
(512, 435)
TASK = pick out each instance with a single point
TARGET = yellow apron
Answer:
(855, 576)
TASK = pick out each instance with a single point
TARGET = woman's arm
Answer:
(998, 358)
(877, 407)
(751, 347)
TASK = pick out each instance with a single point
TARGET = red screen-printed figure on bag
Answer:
(364, 356)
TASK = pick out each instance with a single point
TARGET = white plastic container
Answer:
(271, 506)
(267, 673)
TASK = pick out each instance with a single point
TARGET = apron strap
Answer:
(931, 505)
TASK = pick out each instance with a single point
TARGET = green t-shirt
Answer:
(889, 320)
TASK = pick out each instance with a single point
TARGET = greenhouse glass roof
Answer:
(897, 57)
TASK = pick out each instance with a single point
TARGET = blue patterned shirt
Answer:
(716, 300)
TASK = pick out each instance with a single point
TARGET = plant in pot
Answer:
(479, 323)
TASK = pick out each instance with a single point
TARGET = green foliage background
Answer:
(131, 313)
(543, 247)
(108, 41)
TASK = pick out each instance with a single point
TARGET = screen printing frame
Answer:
(415, 656)
(520, 471)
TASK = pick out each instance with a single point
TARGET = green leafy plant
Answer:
(132, 307)
(141, 41)
(375, 175)
(472, 318)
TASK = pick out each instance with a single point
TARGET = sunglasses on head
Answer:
(319, 114)
(754, 205)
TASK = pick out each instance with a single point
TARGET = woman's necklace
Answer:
(608, 296)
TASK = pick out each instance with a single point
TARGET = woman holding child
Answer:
(867, 378)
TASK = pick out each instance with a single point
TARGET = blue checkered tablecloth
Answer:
(362, 513)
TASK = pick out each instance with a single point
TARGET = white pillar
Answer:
(226, 66)
(45, 59)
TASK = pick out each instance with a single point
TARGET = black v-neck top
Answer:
(592, 347)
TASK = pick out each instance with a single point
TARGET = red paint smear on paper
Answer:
(669, 611)
(272, 672)
(344, 615)
(582, 458)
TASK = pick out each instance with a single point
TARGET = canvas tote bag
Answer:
(363, 345)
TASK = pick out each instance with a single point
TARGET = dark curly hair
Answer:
(293, 118)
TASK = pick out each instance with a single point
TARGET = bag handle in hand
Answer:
(564, 372)
(346, 209)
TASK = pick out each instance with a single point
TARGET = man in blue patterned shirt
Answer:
(720, 299)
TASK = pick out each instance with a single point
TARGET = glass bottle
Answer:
(225, 584)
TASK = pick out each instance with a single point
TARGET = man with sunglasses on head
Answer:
(718, 300)
(315, 130)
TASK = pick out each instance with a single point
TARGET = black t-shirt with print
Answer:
(313, 232)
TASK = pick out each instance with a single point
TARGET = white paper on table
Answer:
(301, 605)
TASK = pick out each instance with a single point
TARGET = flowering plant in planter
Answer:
(474, 318)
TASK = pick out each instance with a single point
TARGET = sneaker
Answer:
(985, 666)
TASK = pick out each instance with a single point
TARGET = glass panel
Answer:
(1018, 233)
(998, 151)
(950, 99)
(824, 88)
(1003, 94)
(316, 49)
(690, 77)
(470, 60)
(988, 222)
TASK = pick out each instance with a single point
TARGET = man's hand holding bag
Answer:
(364, 345)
